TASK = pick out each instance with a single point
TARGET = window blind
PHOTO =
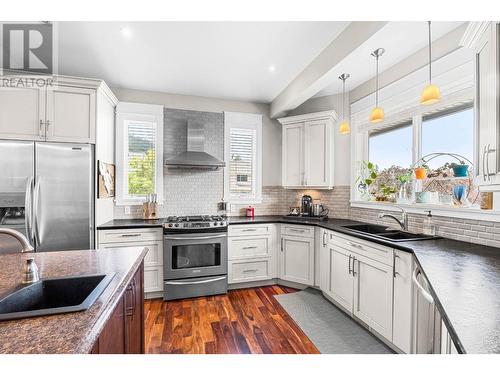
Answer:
(241, 163)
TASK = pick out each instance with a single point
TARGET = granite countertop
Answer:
(464, 278)
(73, 333)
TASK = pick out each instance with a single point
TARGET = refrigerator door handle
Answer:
(36, 202)
(28, 213)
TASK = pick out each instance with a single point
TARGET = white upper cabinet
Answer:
(71, 114)
(483, 38)
(66, 111)
(307, 159)
(22, 113)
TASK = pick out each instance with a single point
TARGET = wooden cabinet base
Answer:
(124, 331)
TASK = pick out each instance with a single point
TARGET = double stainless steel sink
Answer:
(53, 296)
(386, 233)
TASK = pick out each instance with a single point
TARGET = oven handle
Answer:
(195, 282)
(195, 238)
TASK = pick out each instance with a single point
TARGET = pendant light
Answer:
(377, 114)
(344, 127)
(431, 93)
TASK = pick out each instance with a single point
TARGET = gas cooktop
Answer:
(195, 222)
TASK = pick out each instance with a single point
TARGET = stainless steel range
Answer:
(194, 256)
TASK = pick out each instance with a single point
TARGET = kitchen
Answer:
(330, 200)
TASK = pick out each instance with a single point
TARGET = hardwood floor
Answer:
(243, 321)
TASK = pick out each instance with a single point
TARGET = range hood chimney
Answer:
(195, 156)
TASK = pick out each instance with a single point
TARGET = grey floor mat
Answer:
(332, 331)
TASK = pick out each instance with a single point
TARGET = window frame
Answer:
(415, 122)
(236, 120)
(144, 113)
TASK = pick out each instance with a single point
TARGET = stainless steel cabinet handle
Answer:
(36, 202)
(249, 230)
(195, 238)
(131, 235)
(281, 244)
(296, 230)
(394, 273)
(41, 131)
(426, 295)
(47, 124)
(249, 247)
(355, 245)
(195, 282)
(324, 241)
(253, 270)
(350, 256)
(353, 265)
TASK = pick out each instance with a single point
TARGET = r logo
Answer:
(27, 47)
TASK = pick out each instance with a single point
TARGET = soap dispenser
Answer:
(429, 227)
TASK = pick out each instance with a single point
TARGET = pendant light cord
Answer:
(343, 98)
(430, 52)
(376, 83)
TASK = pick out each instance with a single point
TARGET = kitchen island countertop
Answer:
(76, 332)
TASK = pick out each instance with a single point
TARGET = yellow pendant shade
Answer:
(344, 128)
(430, 95)
(377, 115)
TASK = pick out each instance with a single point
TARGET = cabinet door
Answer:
(340, 284)
(373, 286)
(134, 314)
(22, 113)
(486, 105)
(317, 154)
(71, 114)
(293, 155)
(297, 259)
(112, 337)
(402, 309)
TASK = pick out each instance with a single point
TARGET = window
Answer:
(139, 152)
(451, 132)
(391, 147)
(243, 155)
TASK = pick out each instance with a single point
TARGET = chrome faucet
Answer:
(403, 223)
(30, 272)
(26, 246)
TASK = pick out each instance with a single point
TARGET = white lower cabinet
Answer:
(341, 285)
(149, 238)
(402, 305)
(297, 259)
(251, 252)
(373, 294)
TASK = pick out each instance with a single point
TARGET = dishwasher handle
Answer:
(419, 286)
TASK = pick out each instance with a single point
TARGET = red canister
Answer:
(250, 211)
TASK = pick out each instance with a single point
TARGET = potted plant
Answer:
(368, 174)
(460, 170)
(386, 194)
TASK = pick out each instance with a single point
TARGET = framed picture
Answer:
(106, 178)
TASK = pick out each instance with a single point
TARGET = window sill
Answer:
(437, 210)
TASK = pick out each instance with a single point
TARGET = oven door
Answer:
(194, 255)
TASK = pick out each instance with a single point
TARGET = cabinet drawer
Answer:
(249, 247)
(297, 230)
(154, 257)
(130, 235)
(249, 271)
(153, 279)
(249, 230)
(369, 249)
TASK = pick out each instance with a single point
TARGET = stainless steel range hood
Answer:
(195, 156)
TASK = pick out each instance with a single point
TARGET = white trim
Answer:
(332, 115)
(437, 210)
(137, 112)
(473, 32)
(243, 121)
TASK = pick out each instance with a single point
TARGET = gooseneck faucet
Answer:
(403, 223)
(26, 246)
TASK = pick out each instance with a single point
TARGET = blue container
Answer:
(460, 170)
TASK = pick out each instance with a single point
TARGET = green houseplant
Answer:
(368, 172)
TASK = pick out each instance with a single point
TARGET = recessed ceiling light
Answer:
(271, 68)
(126, 32)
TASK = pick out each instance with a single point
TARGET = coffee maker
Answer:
(307, 205)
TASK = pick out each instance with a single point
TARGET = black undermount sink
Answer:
(386, 233)
(53, 296)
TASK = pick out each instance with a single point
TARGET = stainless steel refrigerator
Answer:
(47, 193)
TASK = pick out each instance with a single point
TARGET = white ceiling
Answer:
(214, 59)
(399, 39)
